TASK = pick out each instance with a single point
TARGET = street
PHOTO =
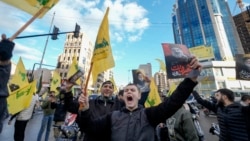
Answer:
(34, 124)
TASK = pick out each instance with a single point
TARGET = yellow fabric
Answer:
(102, 59)
(32, 6)
(162, 65)
(115, 87)
(55, 82)
(21, 98)
(73, 69)
(172, 88)
(20, 76)
(153, 98)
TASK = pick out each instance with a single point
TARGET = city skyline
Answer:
(137, 30)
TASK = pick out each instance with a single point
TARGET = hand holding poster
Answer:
(177, 59)
(242, 66)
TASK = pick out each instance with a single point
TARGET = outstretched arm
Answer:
(211, 106)
(166, 109)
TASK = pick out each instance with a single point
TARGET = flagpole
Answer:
(28, 23)
(46, 43)
(86, 86)
(87, 80)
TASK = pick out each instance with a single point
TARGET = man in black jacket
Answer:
(232, 117)
(133, 122)
(103, 104)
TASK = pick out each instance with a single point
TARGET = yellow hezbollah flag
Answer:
(21, 98)
(113, 81)
(162, 65)
(55, 82)
(73, 69)
(172, 88)
(20, 77)
(32, 6)
(153, 98)
(102, 57)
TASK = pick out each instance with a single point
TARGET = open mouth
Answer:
(129, 98)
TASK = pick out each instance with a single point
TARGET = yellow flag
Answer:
(21, 98)
(32, 6)
(172, 88)
(20, 78)
(73, 69)
(153, 98)
(162, 65)
(102, 58)
(45, 95)
(55, 82)
(115, 88)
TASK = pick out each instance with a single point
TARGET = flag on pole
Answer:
(162, 65)
(153, 98)
(32, 6)
(55, 82)
(20, 99)
(73, 69)
(20, 77)
(102, 58)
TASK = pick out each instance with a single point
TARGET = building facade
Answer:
(220, 74)
(242, 23)
(161, 81)
(82, 49)
(209, 23)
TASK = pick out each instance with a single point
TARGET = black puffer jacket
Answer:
(98, 107)
(232, 119)
(137, 125)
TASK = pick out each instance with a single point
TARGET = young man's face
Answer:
(107, 89)
(131, 97)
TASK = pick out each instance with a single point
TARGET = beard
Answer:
(220, 103)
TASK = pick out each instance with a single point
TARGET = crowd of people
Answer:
(124, 117)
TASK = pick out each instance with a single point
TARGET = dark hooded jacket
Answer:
(137, 125)
(233, 119)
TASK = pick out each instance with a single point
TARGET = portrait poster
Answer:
(242, 66)
(141, 80)
(177, 58)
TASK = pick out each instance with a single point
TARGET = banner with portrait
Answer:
(141, 80)
(242, 66)
(177, 58)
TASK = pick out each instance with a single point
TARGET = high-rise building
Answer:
(81, 48)
(161, 81)
(209, 23)
(242, 23)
